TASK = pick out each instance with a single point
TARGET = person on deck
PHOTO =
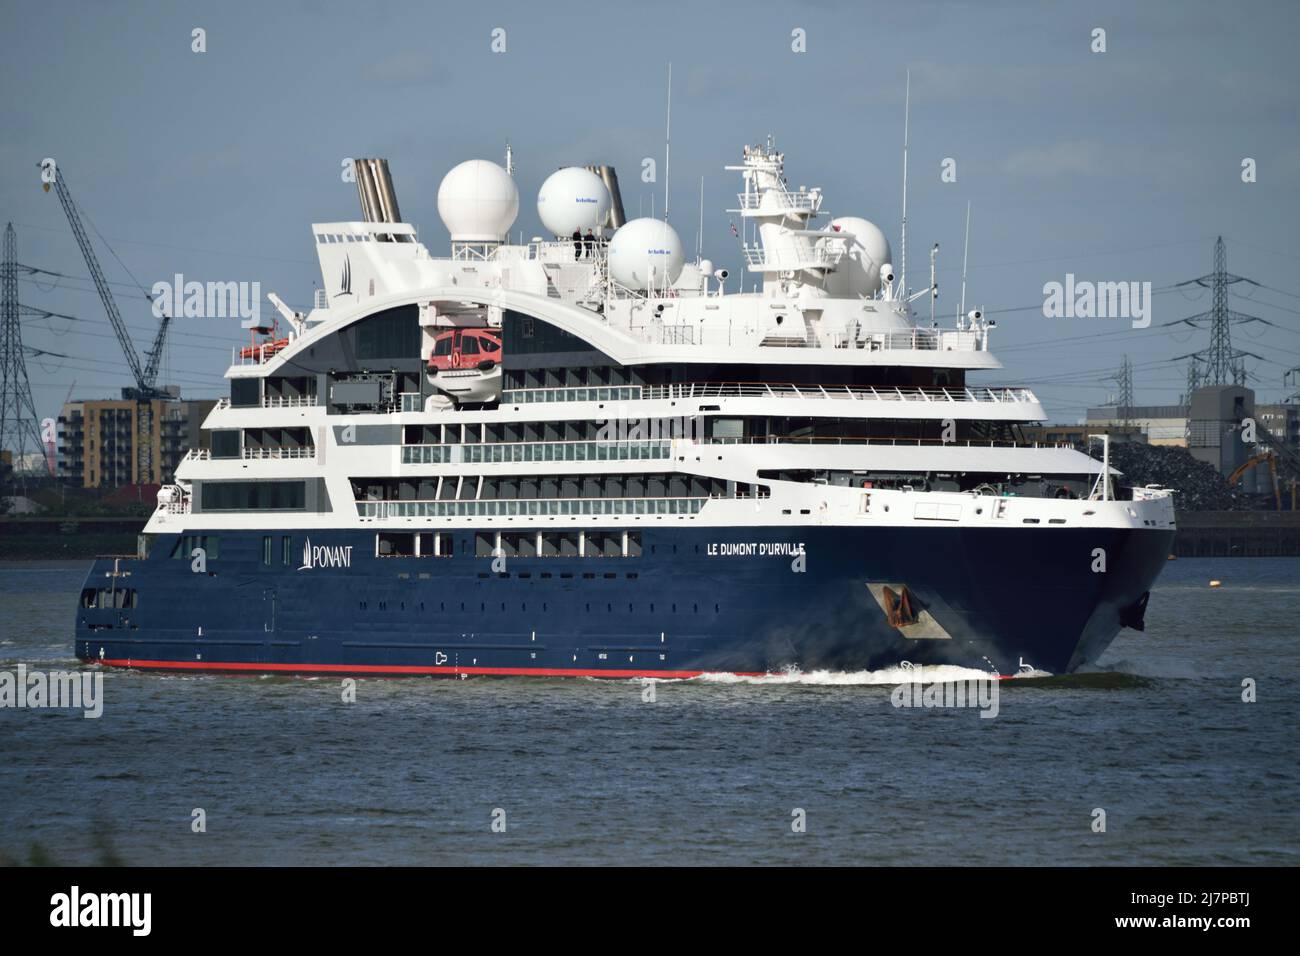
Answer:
(577, 243)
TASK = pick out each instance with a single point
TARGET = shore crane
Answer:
(145, 390)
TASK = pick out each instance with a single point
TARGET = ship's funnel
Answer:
(375, 187)
(615, 218)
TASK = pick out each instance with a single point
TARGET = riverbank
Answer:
(1237, 534)
(66, 538)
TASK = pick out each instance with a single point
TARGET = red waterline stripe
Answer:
(446, 670)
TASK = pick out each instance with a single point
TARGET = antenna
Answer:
(934, 288)
(668, 138)
(907, 110)
(699, 236)
(961, 309)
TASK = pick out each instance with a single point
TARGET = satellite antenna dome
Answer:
(572, 198)
(478, 202)
(644, 250)
(867, 249)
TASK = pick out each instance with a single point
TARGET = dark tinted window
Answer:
(253, 495)
(393, 333)
(245, 392)
(225, 443)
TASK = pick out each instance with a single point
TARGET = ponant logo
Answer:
(325, 556)
(346, 281)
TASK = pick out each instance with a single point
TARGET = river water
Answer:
(711, 771)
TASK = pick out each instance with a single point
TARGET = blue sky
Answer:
(1113, 166)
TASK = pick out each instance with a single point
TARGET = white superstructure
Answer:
(626, 386)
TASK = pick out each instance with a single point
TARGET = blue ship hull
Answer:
(690, 603)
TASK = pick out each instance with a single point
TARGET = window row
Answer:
(561, 451)
(252, 495)
(574, 430)
(504, 509)
(414, 544)
(186, 543)
(515, 487)
(558, 544)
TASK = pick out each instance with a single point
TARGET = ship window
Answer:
(245, 392)
(469, 345)
(442, 346)
(266, 550)
(253, 495)
(286, 550)
(392, 333)
(225, 443)
(185, 545)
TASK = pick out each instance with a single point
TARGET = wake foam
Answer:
(919, 674)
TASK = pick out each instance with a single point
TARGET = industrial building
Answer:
(1161, 424)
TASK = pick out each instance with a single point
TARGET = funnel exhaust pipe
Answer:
(616, 218)
(375, 189)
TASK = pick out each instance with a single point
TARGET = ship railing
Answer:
(307, 451)
(412, 401)
(607, 393)
(564, 251)
(748, 332)
(839, 392)
(786, 201)
(938, 340)
(222, 403)
(896, 442)
(198, 454)
(491, 453)
(759, 258)
(529, 507)
(181, 507)
(288, 401)
(582, 393)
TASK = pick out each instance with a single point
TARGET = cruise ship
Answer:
(585, 455)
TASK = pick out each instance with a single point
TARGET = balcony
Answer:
(765, 390)
(776, 202)
(250, 454)
(760, 259)
(525, 507)
(493, 453)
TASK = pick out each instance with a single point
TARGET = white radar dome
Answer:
(867, 249)
(478, 202)
(572, 198)
(642, 247)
